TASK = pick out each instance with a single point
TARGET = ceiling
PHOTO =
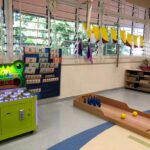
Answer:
(65, 11)
(142, 3)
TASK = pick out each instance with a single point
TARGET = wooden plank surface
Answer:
(111, 110)
(140, 122)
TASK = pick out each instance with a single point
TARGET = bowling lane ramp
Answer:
(111, 110)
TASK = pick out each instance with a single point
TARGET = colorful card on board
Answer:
(30, 60)
(43, 54)
(43, 60)
(46, 70)
(40, 50)
(30, 70)
(30, 50)
(35, 65)
(45, 65)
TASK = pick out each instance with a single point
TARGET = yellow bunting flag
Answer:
(123, 36)
(104, 32)
(129, 40)
(88, 31)
(141, 42)
(96, 31)
(135, 41)
(84, 26)
(114, 35)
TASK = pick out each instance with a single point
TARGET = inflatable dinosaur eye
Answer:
(19, 65)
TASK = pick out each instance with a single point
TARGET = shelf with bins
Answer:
(137, 79)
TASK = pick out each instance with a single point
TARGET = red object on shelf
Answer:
(10, 82)
(1, 82)
(145, 68)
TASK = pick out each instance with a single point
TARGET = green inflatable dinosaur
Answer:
(12, 74)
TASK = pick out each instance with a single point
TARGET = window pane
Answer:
(125, 50)
(29, 30)
(63, 36)
(138, 31)
(3, 35)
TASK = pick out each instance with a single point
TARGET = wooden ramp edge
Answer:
(138, 126)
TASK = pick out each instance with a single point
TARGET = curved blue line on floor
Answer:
(77, 141)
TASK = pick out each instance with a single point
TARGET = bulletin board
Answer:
(43, 71)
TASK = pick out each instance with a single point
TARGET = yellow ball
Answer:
(123, 116)
(135, 114)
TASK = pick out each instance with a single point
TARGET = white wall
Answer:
(78, 76)
(82, 78)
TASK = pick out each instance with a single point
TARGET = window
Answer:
(125, 50)
(29, 30)
(84, 38)
(63, 29)
(63, 36)
(34, 26)
(138, 30)
(109, 48)
(3, 36)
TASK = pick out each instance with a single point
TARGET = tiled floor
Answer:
(60, 120)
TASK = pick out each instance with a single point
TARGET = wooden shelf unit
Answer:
(137, 79)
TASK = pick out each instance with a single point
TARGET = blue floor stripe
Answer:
(77, 141)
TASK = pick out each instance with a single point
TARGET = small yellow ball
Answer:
(123, 116)
(135, 114)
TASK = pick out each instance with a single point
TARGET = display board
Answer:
(11, 75)
(43, 71)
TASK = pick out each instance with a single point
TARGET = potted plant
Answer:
(145, 65)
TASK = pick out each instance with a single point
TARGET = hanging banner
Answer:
(141, 41)
(114, 35)
(88, 32)
(123, 36)
(129, 40)
(104, 32)
(135, 41)
(96, 31)
(84, 26)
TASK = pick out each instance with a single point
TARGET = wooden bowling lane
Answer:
(141, 123)
(111, 110)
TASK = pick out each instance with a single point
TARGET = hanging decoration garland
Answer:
(96, 32)
(114, 35)
(104, 32)
(51, 5)
(141, 41)
(123, 36)
(135, 37)
(129, 40)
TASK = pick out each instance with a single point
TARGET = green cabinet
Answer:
(17, 117)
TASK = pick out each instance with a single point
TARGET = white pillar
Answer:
(49, 28)
(147, 38)
(9, 27)
(101, 13)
